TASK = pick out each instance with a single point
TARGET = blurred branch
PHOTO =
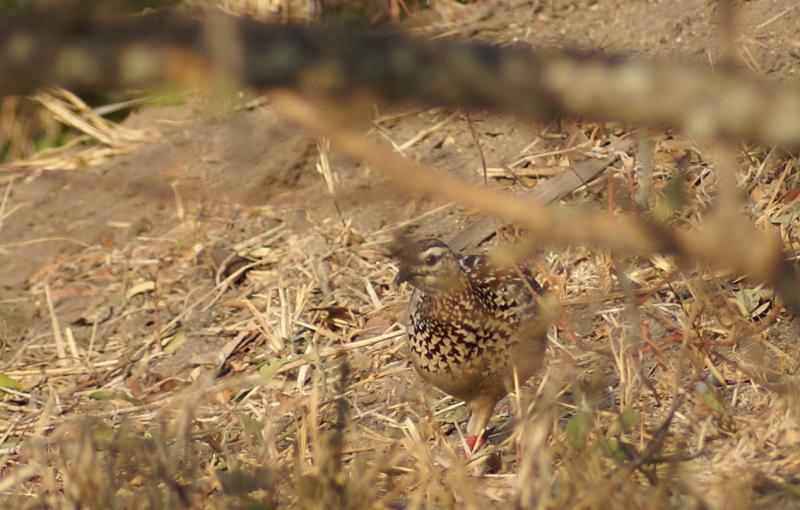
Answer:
(85, 53)
(757, 254)
(579, 174)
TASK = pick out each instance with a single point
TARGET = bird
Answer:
(471, 326)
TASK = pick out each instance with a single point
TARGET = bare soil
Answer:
(213, 179)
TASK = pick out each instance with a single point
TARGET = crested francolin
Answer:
(471, 326)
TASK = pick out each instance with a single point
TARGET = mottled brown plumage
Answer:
(471, 325)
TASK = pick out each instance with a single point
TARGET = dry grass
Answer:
(668, 382)
(245, 359)
(361, 12)
(99, 138)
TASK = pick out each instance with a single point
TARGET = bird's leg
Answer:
(474, 443)
(482, 408)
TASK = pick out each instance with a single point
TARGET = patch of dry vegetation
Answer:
(242, 358)
(253, 357)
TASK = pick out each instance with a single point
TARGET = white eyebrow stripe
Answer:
(434, 250)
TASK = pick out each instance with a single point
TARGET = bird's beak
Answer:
(402, 276)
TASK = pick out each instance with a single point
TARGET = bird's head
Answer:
(429, 265)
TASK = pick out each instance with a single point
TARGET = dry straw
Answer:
(280, 381)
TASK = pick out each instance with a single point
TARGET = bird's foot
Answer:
(474, 443)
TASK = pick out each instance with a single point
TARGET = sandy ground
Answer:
(216, 179)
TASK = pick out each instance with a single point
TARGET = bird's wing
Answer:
(514, 286)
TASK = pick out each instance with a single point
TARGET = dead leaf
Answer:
(140, 288)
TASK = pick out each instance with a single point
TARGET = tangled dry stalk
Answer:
(245, 358)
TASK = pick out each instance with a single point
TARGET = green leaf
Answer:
(10, 383)
(628, 419)
(238, 482)
(268, 370)
(103, 435)
(174, 342)
(577, 429)
(671, 199)
(712, 402)
(748, 300)
(251, 425)
(614, 450)
(101, 395)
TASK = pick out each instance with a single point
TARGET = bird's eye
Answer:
(430, 260)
